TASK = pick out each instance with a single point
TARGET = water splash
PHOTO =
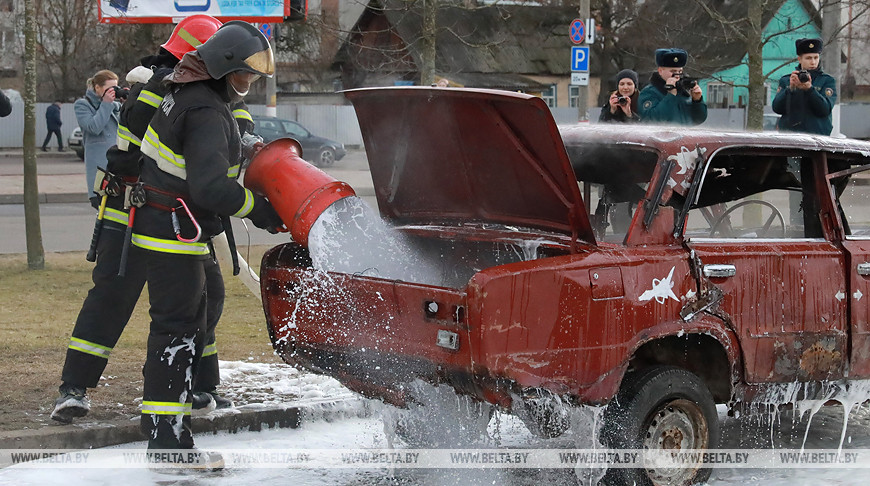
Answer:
(350, 237)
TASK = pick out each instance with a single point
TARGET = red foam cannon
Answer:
(298, 191)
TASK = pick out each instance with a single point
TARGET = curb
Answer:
(46, 198)
(67, 153)
(253, 418)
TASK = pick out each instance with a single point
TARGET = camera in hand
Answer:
(621, 100)
(121, 92)
(686, 83)
(803, 76)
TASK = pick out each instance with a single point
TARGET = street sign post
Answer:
(580, 59)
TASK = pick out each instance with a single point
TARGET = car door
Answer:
(849, 183)
(755, 227)
(297, 131)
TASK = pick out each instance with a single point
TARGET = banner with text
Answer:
(172, 11)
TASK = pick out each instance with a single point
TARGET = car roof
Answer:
(670, 139)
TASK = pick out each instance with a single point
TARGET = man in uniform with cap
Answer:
(806, 97)
(665, 99)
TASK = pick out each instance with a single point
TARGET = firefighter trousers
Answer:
(177, 292)
(110, 303)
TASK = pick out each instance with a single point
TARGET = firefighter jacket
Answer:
(191, 150)
(807, 111)
(659, 106)
(136, 113)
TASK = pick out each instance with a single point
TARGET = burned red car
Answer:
(659, 270)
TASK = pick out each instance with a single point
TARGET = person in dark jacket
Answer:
(189, 150)
(111, 301)
(806, 104)
(5, 104)
(666, 100)
(621, 107)
(53, 124)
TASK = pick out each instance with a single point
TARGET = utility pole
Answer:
(272, 83)
(831, 22)
(583, 90)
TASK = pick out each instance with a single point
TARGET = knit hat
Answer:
(626, 73)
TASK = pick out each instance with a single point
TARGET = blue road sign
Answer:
(577, 32)
(580, 59)
(266, 29)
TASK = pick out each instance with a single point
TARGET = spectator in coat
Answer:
(97, 113)
(621, 107)
(53, 123)
(806, 97)
(668, 98)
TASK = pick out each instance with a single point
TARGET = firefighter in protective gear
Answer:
(192, 150)
(111, 301)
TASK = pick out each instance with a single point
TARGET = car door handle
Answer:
(864, 268)
(714, 270)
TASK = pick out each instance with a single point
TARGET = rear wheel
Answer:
(325, 158)
(81, 154)
(662, 408)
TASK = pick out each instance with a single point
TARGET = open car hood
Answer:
(446, 155)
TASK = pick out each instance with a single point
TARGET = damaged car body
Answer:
(659, 271)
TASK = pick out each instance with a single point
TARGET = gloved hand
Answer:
(264, 216)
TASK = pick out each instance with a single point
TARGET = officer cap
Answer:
(671, 57)
(237, 46)
(807, 46)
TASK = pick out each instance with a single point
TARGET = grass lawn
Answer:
(37, 316)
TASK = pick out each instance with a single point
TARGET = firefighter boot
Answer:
(72, 403)
(202, 403)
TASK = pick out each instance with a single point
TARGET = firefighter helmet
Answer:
(237, 46)
(190, 33)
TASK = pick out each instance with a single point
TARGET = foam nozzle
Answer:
(298, 191)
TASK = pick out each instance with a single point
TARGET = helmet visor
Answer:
(262, 62)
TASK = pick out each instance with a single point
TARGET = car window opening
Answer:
(614, 181)
(850, 183)
(760, 196)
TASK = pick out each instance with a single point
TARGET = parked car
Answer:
(660, 271)
(75, 142)
(320, 151)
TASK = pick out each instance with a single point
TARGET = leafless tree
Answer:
(32, 228)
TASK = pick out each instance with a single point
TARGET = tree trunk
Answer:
(427, 53)
(756, 102)
(32, 229)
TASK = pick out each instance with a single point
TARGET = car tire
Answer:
(661, 407)
(325, 157)
(81, 154)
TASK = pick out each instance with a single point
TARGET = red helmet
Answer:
(190, 33)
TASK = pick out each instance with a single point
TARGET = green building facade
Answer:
(779, 56)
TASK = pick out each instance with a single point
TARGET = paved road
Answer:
(68, 225)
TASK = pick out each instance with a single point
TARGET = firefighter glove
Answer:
(264, 217)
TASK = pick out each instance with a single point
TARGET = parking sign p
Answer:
(580, 58)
